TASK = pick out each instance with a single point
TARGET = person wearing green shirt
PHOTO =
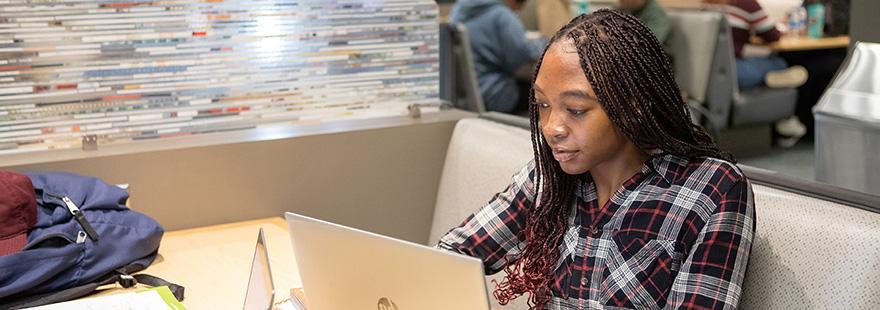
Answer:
(652, 14)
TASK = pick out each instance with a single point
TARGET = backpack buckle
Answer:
(127, 281)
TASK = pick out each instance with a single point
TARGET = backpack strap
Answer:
(152, 281)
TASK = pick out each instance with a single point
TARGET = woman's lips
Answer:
(564, 155)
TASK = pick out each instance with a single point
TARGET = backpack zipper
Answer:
(78, 216)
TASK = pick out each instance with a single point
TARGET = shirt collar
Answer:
(666, 165)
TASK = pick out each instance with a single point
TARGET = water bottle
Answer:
(802, 21)
(580, 7)
(792, 30)
(816, 13)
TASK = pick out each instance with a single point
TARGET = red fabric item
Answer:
(18, 211)
(747, 17)
(13, 244)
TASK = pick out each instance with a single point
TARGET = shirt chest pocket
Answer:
(639, 272)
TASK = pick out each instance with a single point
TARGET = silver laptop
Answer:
(344, 268)
(260, 290)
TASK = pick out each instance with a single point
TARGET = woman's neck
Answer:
(610, 175)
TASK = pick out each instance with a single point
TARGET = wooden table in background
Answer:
(792, 44)
(213, 262)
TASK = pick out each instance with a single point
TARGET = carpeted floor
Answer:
(798, 161)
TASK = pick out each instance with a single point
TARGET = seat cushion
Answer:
(763, 105)
(481, 158)
(811, 254)
(692, 42)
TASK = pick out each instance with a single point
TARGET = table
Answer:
(793, 44)
(213, 262)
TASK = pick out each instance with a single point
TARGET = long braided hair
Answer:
(634, 84)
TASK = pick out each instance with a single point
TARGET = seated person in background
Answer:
(746, 17)
(626, 203)
(652, 15)
(500, 48)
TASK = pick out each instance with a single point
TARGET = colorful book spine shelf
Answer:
(121, 71)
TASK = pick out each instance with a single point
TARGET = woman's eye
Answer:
(576, 112)
(542, 105)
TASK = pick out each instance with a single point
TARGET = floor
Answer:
(797, 161)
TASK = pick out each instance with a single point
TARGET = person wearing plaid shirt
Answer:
(626, 204)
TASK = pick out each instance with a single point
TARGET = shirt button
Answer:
(595, 231)
(584, 281)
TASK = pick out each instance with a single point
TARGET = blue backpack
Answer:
(85, 237)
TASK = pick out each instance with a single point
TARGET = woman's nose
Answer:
(555, 126)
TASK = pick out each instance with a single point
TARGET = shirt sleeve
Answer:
(762, 24)
(658, 22)
(711, 277)
(493, 233)
(516, 48)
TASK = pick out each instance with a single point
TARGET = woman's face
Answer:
(573, 123)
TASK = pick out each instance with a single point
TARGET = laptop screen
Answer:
(343, 268)
(260, 291)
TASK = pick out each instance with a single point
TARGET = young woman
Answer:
(626, 203)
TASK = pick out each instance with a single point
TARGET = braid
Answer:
(634, 83)
(633, 80)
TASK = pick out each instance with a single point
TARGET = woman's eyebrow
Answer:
(580, 94)
(537, 89)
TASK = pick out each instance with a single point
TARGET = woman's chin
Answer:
(572, 168)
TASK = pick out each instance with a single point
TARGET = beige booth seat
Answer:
(481, 158)
(811, 251)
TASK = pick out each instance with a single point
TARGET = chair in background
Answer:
(705, 67)
(693, 38)
(458, 78)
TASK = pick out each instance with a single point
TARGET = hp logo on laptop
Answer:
(386, 304)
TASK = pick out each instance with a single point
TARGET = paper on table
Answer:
(157, 298)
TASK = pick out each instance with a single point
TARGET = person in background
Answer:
(746, 17)
(652, 15)
(626, 203)
(500, 48)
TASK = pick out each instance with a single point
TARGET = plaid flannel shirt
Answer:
(676, 235)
